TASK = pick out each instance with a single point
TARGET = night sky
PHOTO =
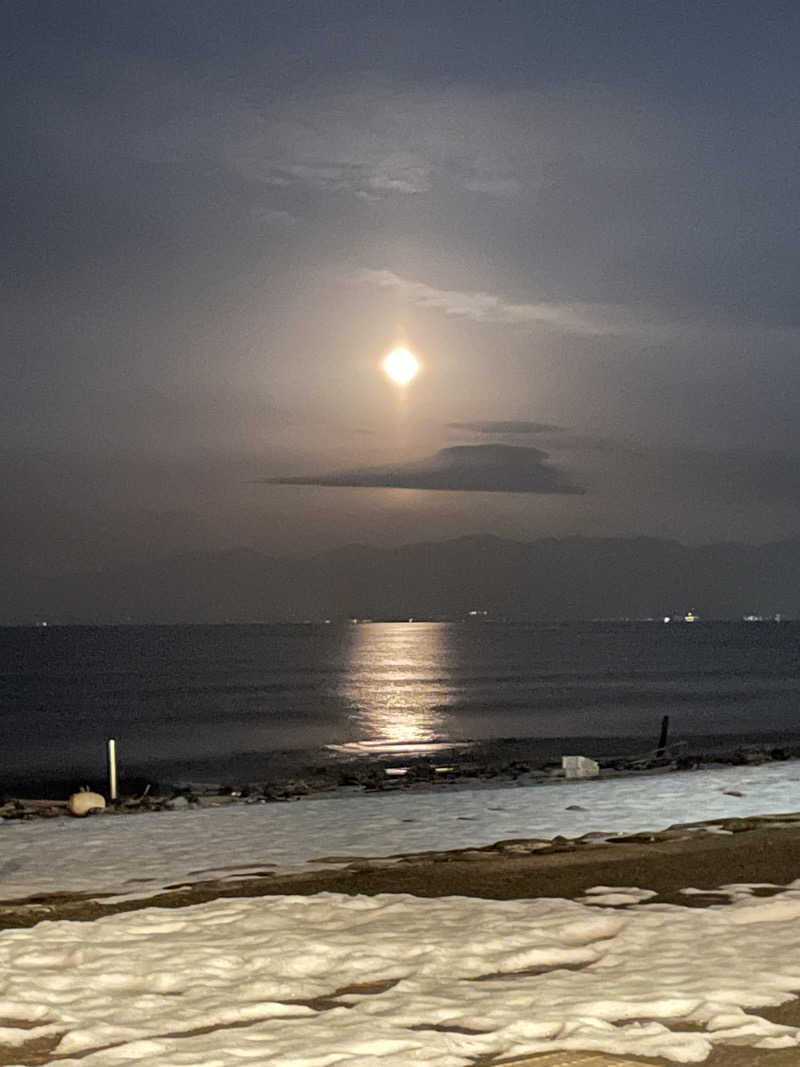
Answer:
(219, 217)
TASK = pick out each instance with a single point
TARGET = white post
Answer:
(112, 769)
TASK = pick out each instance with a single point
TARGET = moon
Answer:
(401, 365)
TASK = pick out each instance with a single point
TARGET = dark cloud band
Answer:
(507, 426)
(462, 468)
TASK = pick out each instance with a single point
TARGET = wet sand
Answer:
(757, 850)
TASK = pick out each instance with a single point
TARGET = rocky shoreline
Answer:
(382, 777)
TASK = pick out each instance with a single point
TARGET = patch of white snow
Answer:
(395, 980)
(137, 854)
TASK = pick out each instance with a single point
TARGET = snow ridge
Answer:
(394, 980)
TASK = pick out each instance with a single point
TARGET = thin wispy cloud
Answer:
(371, 179)
(597, 320)
(272, 218)
(500, 427)
(462, 468)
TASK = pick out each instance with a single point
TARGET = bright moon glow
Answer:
(401, 366)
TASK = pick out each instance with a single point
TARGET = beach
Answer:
(651, 941)
(400, 616)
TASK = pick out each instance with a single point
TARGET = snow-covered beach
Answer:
(141, 854)
(391, 979)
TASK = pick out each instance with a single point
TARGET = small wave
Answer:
(371, 748)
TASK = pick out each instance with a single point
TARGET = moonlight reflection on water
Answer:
(397, 680)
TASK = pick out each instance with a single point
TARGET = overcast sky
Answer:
(219, 216)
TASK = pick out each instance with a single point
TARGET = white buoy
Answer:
(85, 802)
(112, 769)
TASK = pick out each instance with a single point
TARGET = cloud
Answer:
(381, 176)
(271, 218)
(594, 320)
(462, 468)
(612, 197)
(507, 426)
(399, 174)
(369, 175)
(373, 140)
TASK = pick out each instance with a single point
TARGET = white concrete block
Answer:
(580, 767)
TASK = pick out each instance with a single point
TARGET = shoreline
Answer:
(489, 766)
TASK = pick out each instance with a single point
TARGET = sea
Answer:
(244, 703)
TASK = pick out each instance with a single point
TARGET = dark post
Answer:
(662, 741)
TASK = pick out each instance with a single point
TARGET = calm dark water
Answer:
(223, 701)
